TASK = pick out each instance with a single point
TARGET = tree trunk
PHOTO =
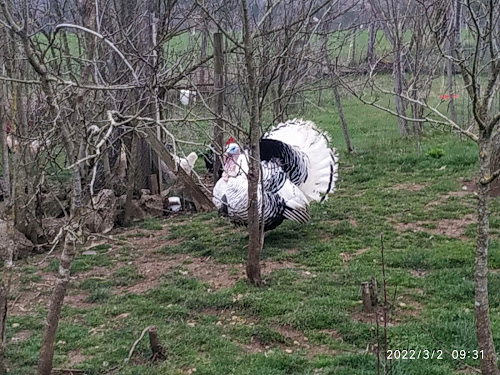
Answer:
(219, 104)
(398, 88)
(417, 112)
(45, 361)
(338, 103)
(254, 229)
(449, 75)
(5, 151)
(5, 290)
(351, 60)
(489, 365)
(370, 50)
(202, 79)
(3, 129)
(131, 171)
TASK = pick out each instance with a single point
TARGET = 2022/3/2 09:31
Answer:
(433, 354)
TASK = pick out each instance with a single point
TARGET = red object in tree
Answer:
(447, 97)
(230, 140)
(8, 127)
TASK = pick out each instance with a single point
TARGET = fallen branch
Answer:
(132, 349)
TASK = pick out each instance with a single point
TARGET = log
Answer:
(200, 200)
(365, 295)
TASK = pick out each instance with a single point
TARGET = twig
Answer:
(131, 352)
(15, 301)
(67, 25)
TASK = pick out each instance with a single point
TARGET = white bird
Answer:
(298, 167)
(188, 162)
(187, 97)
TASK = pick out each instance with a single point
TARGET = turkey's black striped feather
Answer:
(293, 162)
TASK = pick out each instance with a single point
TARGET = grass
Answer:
(151, 224)
(313, 298)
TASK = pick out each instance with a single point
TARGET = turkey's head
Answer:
(230, 158)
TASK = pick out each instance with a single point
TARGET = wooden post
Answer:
(365, 295)
(157, 350)
(153, 181)
(219, 102)
(374, 292)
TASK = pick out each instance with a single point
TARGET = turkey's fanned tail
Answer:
(305, 156)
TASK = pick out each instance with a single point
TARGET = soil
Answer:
(409, 187)
(347, 257)
(454, 228)
(151, 265)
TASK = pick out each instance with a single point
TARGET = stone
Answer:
(12, 237)
(89, 252)
(152, 205)
(53, 207)
(102, 212)
(136, 213)
(51, 227)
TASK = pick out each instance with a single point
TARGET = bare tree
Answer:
(394, 21)
(482, 19)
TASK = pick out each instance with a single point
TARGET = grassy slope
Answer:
(429, 276)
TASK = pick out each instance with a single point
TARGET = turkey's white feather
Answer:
(322, 162)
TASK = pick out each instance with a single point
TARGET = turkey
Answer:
(298, 167)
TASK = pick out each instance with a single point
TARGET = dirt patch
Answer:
(454, 228)
(443, 198)
(298, 341)
(78, 301)
(396, 314)
(230, 317)
(409, 187)
(294, 339)
(221, 276)
(217, 275)
(417, 273)
(21, 336)
(333, 334)
(347, 257)
(150, 264)
(76, 357)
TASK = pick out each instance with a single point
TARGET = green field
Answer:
(185, 275)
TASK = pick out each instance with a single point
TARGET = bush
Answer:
(435, 153)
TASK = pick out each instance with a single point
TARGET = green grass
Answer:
(220, 331)
(151, 224)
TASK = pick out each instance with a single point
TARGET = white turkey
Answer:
(298, 167)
